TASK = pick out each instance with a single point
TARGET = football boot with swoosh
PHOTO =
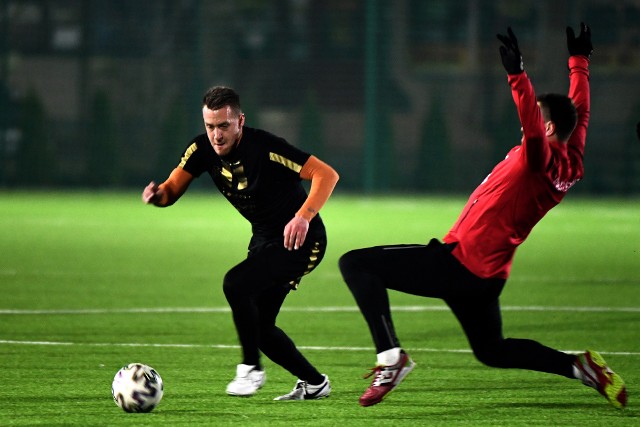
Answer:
(306, 391)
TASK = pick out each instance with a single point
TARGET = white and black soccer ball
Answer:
(137, 388)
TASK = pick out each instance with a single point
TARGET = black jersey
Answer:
(260, 178)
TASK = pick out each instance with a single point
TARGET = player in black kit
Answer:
(261, 176)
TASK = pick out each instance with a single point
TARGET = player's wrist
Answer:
(306, 214)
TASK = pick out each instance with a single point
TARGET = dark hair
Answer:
(560, 110)
(219, 96)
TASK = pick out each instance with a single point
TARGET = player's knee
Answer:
(349, 262)
(232, 284)
(489, 355)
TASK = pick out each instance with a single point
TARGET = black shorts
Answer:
(274, 265)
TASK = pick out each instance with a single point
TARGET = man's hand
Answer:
(152, 194)
(580, 45)
(510, 53)
(295, 232)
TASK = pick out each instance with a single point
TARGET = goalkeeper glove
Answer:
(510, 53)
(580, 45)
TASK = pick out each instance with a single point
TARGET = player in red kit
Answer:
(469, 268)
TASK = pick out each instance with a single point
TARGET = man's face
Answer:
(224, 128)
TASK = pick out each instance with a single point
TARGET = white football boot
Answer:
(247, 382)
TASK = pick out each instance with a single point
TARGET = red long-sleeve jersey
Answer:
(521, 189)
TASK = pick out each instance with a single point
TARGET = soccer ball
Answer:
(137, 388)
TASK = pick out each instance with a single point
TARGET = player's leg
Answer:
(286, 270)
(269, 265)
(415, 269)
(240, 287)
(256, 289)
(276, 344)
(481, 321)
(280, 348)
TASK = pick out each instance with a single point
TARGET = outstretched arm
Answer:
(323, 180)
(580, 49)
(169, 191)
(536, 150)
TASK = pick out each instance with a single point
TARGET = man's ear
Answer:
(549, 128)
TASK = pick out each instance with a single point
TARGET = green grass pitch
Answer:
(93, 281)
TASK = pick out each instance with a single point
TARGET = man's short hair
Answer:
(217, 97)
(561, 111)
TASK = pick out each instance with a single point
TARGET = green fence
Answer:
(402, 95)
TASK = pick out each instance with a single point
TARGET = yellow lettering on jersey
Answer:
(235, 171)
(285, 162)
(226, 172)
(192, 149)
(242, 178)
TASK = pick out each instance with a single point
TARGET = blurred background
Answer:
(398, 95)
